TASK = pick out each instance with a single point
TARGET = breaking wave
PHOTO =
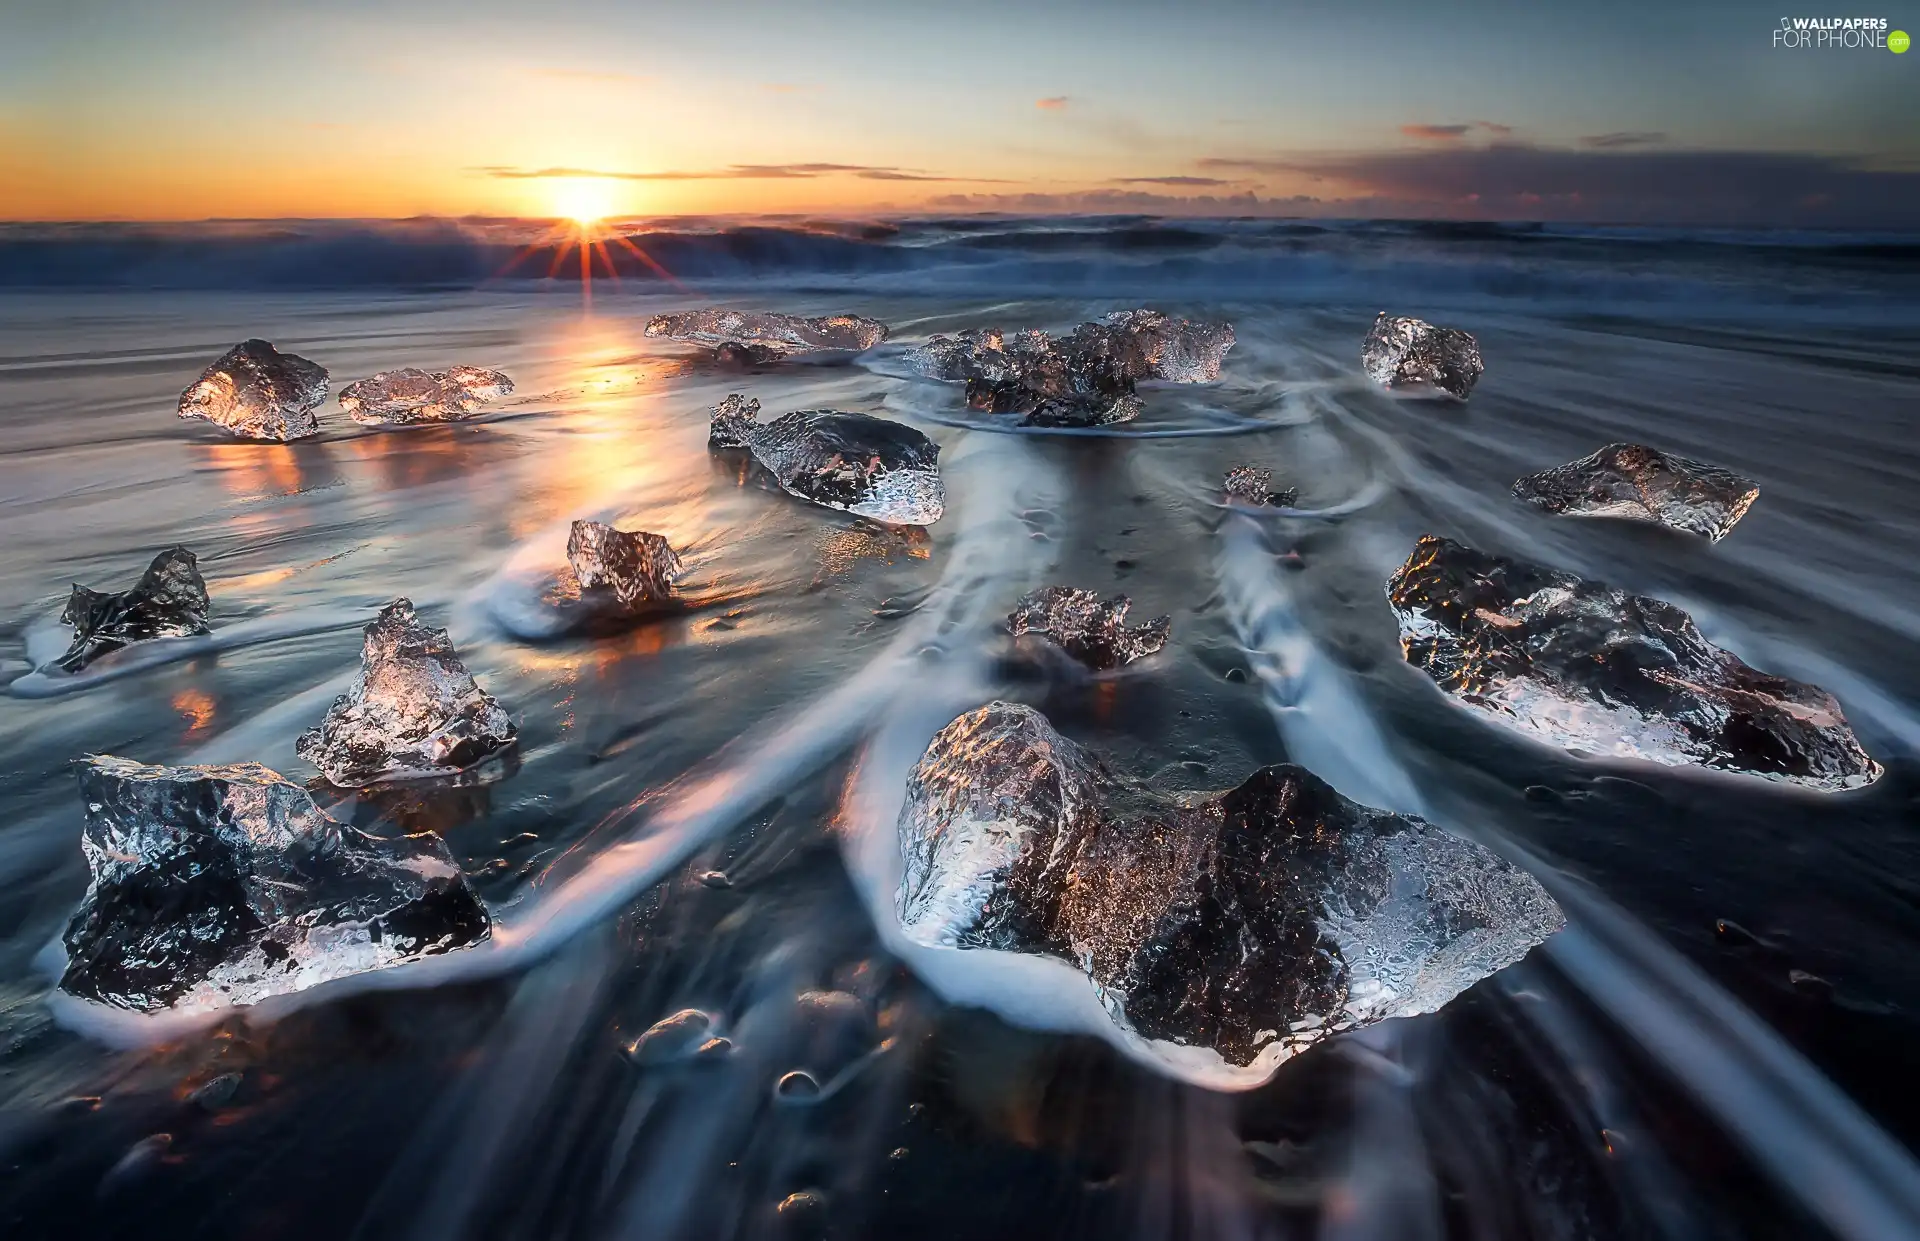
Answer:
(1586, 270)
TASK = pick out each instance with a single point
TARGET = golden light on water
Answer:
(196, 707)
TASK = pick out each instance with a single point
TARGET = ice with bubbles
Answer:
(1638, 483)
(220, 885)
(1091, 629)
(1085, 378)
(414, 710)
(872, 467)
(768, 336)
(1415, 356)
(1252, 485)
(1252, 923)
(631, 569)
(256, 392)
(1579, 665)
(169, 601)
(411, 395)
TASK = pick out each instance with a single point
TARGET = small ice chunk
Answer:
(413, 711)
(1643, 484)
(1278, 905)
(410, 395)
(1091, 629)
(169, 601)
(1579, 665)
(860, 464)
(1253, 485)
(256, 392)
(1086, 378)
(637, 568)
(1413, 354)
(216, 885)
(753, 337)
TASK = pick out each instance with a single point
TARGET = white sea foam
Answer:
(1319, 712)
(48, 641)
(937, 644)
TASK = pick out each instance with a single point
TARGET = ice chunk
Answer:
(218, 885)
(257, 392)
(1140, 344)
(1253, 485)
(1643, 484)
(1151, 345)
(1060, 391)
(169, 601)
(1086, 378)
(633, 569)
(1270, 915)
(856, 462)
(409, 395)
(1091, 629)
(996, 812)
(757, 337)
(413, 711)
(1579, 665)
(1413, 354)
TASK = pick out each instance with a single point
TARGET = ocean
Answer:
(1718, 1045)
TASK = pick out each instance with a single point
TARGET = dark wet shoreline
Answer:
(503, 1107)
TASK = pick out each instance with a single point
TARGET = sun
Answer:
(583, 200)
(579, 209)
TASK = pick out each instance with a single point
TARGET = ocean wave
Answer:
(1418, 262)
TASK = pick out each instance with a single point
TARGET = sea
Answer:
(698, 814)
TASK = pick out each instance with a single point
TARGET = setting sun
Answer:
(583, 199)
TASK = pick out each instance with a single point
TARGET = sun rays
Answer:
(582, 206)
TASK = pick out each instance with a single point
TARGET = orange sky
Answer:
(127, 109)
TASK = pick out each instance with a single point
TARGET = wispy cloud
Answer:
(897, 174)
(1453, 133)
(1052, 103)
(785, 88)
(732, 172)
(1171, 181)
(1129, 201)
(1631, 138)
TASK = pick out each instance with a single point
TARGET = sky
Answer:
(1631, 112)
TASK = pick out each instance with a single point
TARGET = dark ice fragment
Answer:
(169, 601)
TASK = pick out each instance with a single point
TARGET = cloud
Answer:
(1615, 141)
(1171, 181)
(733, 172)
(1451, 133)
(1620, 185)
(896, 174)
(1052, 103)
(1121, 201)
(785, 88)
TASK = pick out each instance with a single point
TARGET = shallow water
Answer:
(1645, 1074)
